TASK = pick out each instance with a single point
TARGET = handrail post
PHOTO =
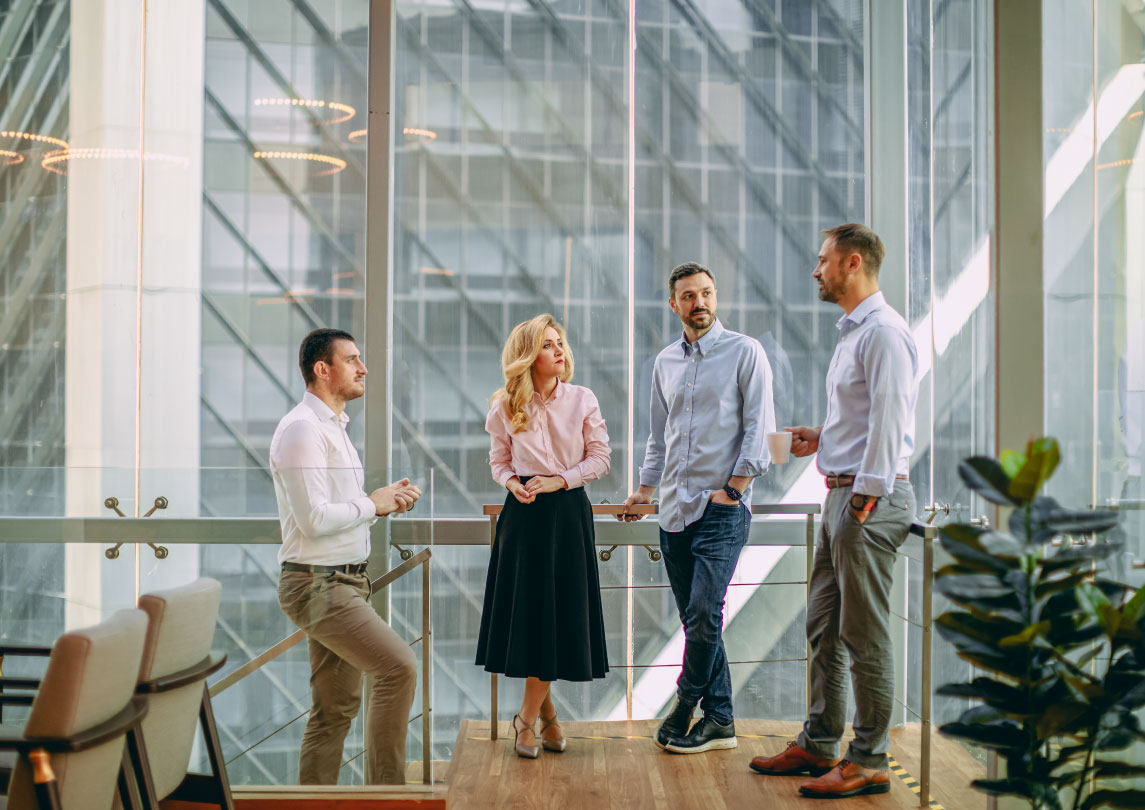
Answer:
(492, 675)
(426, 725)
(810, 552)
(927, 639)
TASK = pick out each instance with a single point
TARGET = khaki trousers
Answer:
(347, 638)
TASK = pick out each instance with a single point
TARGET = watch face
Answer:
(858, 501)
(733, 493)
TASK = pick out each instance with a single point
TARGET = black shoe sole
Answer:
(882, 787)
(808, 771)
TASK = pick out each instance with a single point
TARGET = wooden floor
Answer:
(615, 765)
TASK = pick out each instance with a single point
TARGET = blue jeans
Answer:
(700, 562)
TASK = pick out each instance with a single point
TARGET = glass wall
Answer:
(1094, 258)
(174, 220)
(951, 305)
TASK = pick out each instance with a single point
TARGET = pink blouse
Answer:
(566, 436)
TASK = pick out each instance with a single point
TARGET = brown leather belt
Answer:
(349, 568)
(836, 481)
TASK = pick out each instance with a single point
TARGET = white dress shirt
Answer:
(871, 393)
(318, 479)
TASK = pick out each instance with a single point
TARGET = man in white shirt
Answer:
(326, 517)
(864, 447)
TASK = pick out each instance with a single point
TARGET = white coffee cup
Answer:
(779, 445)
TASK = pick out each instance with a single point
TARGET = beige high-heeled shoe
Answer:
(558, 745)
(526, 751)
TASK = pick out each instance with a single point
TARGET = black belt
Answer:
(349, 568)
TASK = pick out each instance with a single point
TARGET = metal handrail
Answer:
(422, 559)
(928, 533)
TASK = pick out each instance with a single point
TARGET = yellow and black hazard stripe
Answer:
(911, 783)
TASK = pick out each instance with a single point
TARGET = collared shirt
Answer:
(565, 436)
(711, 409)
(872, 387)
(318, 479)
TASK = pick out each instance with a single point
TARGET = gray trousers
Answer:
(346, 638)
(848, 614)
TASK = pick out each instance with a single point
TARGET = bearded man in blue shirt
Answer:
(711, 411)
(864, 446)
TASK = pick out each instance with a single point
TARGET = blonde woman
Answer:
(542, 617)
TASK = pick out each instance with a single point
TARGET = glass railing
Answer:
(58, 572)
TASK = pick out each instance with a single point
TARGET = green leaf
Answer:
(1072, 557)
(1026, 637)
(1092, 600)
(1044, 794)
(1042, 457)
(985, 476)
(1119, 770)
(1001, 735)
(1012, 461)
(965, 544)
(1068, 581)
(1134, 610)
(972, 587)
(1115, 798)
(1060, 719)
(1081, 521)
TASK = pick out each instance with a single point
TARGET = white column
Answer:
(106, 226)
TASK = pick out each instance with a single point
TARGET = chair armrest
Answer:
(25, 649)
(208, 666)
(118, 725)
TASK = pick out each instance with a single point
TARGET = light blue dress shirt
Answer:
(872, 387)
(711, 412)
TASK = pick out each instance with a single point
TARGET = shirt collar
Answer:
(323, 411)
(704, 344)
(872, 302)
(558, 392)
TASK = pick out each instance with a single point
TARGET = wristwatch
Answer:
(732, 492)
(863, 503)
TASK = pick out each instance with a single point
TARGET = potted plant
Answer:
(1062, 646)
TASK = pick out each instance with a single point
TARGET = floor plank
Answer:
(615, 765)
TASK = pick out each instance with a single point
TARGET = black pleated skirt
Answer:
(542, 615)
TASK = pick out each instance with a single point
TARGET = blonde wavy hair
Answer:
(517, 359)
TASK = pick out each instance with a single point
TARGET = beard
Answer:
(830, 294)
(700, 320)
(352, 390)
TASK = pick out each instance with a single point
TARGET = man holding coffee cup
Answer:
(864, 447)
(711, 408)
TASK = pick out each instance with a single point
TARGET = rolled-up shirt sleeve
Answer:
(891, 367)
(758, 413)
(500, 445)
(653, 468)
(303, 466)
(597, 453)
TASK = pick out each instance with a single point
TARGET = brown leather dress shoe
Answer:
(793, 761)
(846, 779)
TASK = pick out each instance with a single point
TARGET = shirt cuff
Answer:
(866, 484)
(573, 478)
(750, 467)
(367, 509)
(649, 477)
(505, 477)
